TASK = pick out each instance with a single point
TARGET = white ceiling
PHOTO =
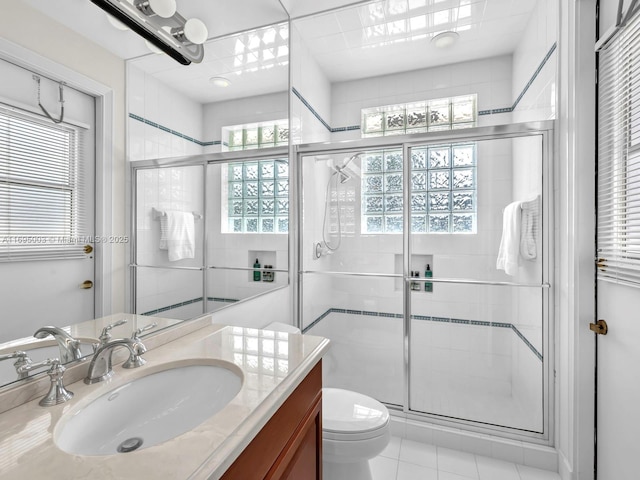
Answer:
(362, 40)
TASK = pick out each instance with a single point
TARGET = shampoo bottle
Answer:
(428, 273)
(256, 271)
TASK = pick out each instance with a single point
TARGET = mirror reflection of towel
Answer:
(177, 235)
(509, 252)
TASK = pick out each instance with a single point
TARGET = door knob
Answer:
(86, 284)
(600, 327)
(88, 249)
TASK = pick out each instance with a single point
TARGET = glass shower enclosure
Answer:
(426, 259)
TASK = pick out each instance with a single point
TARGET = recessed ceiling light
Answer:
(445, 39)
(220, 81)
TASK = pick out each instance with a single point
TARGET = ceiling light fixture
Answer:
(220, 81)
(445, 39)
(158, 22)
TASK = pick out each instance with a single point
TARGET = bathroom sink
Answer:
(148, 410)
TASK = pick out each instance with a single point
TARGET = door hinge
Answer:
(600, 327)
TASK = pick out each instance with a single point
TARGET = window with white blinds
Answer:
(41, 186)
(618, 226)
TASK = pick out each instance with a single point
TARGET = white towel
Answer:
(528, 230)
(509, 253)
(177, 235)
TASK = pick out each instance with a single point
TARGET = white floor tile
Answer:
(410, 471)
(492, 469)
(530, 473)
(383, 468)
(393, 449)
(461, 463)
(418, 453)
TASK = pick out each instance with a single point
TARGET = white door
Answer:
(618, 287)
(45, 291)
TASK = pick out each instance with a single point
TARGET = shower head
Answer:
(341, 170)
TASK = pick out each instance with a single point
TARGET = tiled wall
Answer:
(535, 65)
(311, 95)
(239, 111)
(162, 123)
(489, 78)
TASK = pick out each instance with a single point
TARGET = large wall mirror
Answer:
(226, 121)
(229, 117)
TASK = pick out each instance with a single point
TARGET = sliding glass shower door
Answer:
(478, 313)
(404, 265)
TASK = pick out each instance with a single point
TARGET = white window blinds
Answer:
(41, 186)
(618, 225)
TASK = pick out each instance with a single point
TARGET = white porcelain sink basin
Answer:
(148, 410)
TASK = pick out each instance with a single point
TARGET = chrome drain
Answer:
(130, 444)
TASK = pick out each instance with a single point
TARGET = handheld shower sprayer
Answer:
(342, 176)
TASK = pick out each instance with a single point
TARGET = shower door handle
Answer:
(87, 284)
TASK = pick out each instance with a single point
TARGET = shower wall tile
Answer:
(540, 35)
(312, 84)
(261, 108)
(156, 102)
(489, 78)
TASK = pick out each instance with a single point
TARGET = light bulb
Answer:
(163, 8)
(195, 31)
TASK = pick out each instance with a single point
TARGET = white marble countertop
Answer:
(273, 364)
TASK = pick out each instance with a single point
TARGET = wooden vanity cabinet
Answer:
(289, 446)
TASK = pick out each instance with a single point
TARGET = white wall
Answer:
(28, 28)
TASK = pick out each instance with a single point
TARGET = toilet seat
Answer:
(351, 416)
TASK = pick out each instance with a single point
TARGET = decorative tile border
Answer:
(458, 321)
(188, 302)
(526, 87)
(173, 132)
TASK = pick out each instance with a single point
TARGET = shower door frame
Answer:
(544, 129)
(204, 160)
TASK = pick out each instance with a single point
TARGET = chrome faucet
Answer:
(57, 393)
(101, 367)
(22, 359)
(69, 346)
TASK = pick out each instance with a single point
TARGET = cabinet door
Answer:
(302, 458)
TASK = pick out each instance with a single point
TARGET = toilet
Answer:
(355, 428)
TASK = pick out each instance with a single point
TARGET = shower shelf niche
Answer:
(265, 257)
(419, 263)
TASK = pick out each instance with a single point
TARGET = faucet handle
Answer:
(135, 359)
(105, 336)
(22, 359)
(137, 333)
(57, 392)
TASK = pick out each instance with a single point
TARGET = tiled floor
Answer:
(408, 460)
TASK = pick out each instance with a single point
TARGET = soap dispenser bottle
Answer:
(428, 273)
(256, 271)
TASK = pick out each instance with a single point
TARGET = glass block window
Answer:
(255, 135)
(257, 197)
(443, 190)
(418, 117)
